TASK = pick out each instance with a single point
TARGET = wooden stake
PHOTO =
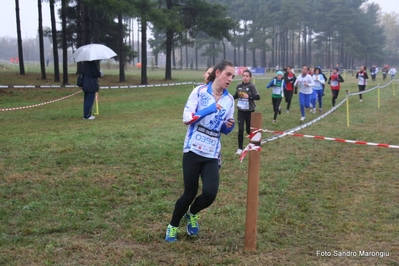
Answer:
(253, 187)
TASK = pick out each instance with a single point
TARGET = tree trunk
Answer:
(304, 53)
(299, 48)
(224, 49)
(213, 57)
(310, 47)
(79, 31)
(239, 54)
(292, 48)
(55, 43)
(64, 6)
(196, 57)
(144, 80)
(244, 45)
(254, 58)
(282, 48)
(235, 47)
(41, 43)
(20, 48)
(173, 56)
(273, 63)
(86, 25)
(181, 57)
(121, 56)
(169, 43)
(186, 50)
(263, 56)
(138, 41)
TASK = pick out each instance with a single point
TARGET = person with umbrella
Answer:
(91, 54)
(91, 73)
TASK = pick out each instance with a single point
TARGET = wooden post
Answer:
(253, 186)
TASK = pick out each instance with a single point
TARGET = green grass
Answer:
(101, 192)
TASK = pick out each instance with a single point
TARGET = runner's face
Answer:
(304, 70)
(246, 78)
(225, 77)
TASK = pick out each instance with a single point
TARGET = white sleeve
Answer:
(310, 81)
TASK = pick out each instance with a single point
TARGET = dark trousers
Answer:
(361, 88)
(88, 102)
(195, 166)
(243, 117)
(334, 96)
(276, 104)
(288, 97)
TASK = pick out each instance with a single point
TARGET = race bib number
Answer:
(243, 104)
(334, 83)
(205, 140)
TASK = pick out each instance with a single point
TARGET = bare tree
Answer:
(41, 43)
(20, 49)
(55, 43)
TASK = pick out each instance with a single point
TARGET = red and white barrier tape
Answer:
(254, 136)
(36, 105)
(256, 132)
(335, 139)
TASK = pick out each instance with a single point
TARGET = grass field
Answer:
(101, 192)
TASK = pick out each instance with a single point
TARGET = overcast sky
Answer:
(29, 20)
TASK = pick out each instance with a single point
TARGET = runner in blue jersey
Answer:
(209, 112)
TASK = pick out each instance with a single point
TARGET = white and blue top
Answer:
(206, 122)
(318, 81)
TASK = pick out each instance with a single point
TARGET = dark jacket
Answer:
(252, 92)
(91, 73)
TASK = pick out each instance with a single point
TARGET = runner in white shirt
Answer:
(305, 83)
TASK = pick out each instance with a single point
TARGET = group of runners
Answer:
(209, 113)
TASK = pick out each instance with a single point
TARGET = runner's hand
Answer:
(230, 122)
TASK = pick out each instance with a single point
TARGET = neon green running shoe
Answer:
(171, 234)
(192, 224)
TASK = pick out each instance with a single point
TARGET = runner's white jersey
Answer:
(206, 123)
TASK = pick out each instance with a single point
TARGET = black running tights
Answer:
(195, 166)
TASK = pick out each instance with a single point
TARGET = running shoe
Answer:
(302, 118)
(171, 234)
(90, 118)
(274, 122)
(192, 224)
(239, 151)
